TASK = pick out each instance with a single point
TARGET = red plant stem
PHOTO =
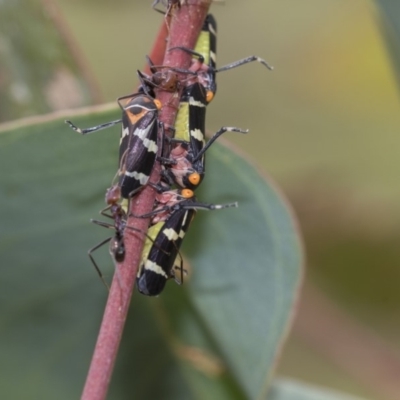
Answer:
(184, 27)
(160, 45)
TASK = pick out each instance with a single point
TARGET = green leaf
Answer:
(216, 336)
(284, 389)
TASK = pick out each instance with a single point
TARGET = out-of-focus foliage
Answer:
(38, 71)
(389, 22)
(291, 390)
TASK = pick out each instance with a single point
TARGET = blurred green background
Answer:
(325, 125)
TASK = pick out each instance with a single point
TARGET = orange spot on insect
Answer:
(194, 178)
(209, 96)
(187, 193)
(158, 104)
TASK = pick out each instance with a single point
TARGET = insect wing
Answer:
(206, 45)
(138, 145)
(182, 118)
(194, 96)
(189, 129)
(160, 253)
(197, 123)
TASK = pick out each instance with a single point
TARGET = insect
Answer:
(170, 219)
(160, 257)
(138, 144)
(162, 77)
(185, 163)
(165, 79)
(206, 49)
(204, 58)
(118, 213)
